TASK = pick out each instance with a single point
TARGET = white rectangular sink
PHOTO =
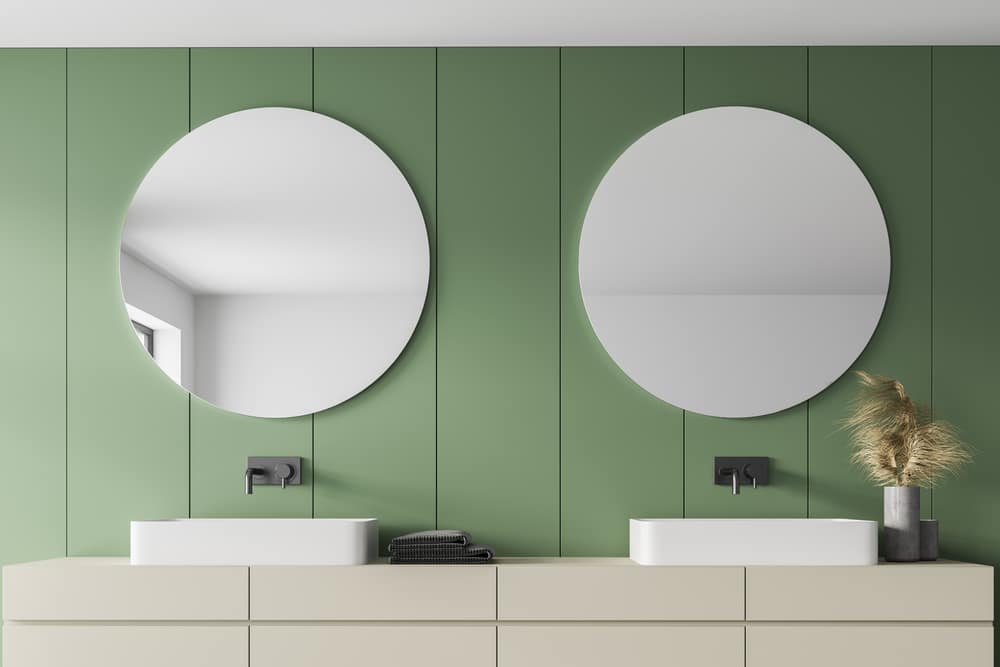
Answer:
(753, 542)
(254, 542)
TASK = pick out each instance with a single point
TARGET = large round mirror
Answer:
(734, 261)
(274, 262)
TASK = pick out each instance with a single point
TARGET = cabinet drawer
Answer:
(372, 645)
(870, 644)
(625, 592)
(373, 593)
(910, 592)
(108, 590)
(50, 645)
(595, 645)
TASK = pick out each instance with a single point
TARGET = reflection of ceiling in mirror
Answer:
(709, 204)
(251, 203)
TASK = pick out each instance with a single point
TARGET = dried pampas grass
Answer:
(896, 441)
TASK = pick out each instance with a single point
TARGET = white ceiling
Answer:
(279, 201)
(59, 23)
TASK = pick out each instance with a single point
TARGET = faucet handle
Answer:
(284, 473)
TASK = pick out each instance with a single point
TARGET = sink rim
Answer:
(753, 541)
(248, 541)
(751, 520)
(295, 519)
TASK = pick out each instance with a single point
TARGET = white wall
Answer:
(277, 355)
(60, 23)
(156, 294)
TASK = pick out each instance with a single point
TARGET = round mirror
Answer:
(274, 262)
(734, 261)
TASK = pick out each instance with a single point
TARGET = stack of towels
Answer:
(437, 546)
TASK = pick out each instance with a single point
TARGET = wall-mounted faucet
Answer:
(735, 471)
(734, 474)
(248, 480)
(272, 471)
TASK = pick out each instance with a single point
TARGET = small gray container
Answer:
(901, 521)
(928, 539)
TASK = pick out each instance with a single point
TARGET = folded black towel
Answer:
(425, 537)
(438, 546)
(442, 554)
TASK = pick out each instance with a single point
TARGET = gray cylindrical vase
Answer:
(901, 520)
(928, 539)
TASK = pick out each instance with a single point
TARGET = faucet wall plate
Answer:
(749, 467)
(270, 467)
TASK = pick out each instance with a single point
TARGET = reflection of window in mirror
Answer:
(161, 339)
(145, 335)
(165, 308)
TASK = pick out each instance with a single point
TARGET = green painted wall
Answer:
(503, 415)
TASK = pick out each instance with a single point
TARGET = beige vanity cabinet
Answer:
(593, 613)
(374, 615)
(84, 612)
(551, 612)
(912, 615)
(382, 645)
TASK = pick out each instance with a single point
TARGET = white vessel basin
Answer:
(753, 542)
(254, 542)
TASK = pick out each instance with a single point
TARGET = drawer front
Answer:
(371, 645)
(870, 644)
(595, 645)
(26, 645)
(619, 593)
(373, 593)
(912, 592)
(124, 593)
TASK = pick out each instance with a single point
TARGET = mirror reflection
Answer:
(274, 262)
(734, 261)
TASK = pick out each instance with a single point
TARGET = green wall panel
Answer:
(621, 447)
(127, 422)
(875, 103)
(33, 293)
(966, 275)
(375, 454)
(224, 81)
(228, 80)
(504, 415)
(498, 296)
(771, 78)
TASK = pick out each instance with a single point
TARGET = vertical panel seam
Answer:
(66, 300)
(190, 485)
(930, 128)
(808, 402)
(312, 464)
(190, 448)
(683, 412)
(808, 448)
(808, 105)
(683, 80)
(437, 293)
(312, 417)
(559, 295)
